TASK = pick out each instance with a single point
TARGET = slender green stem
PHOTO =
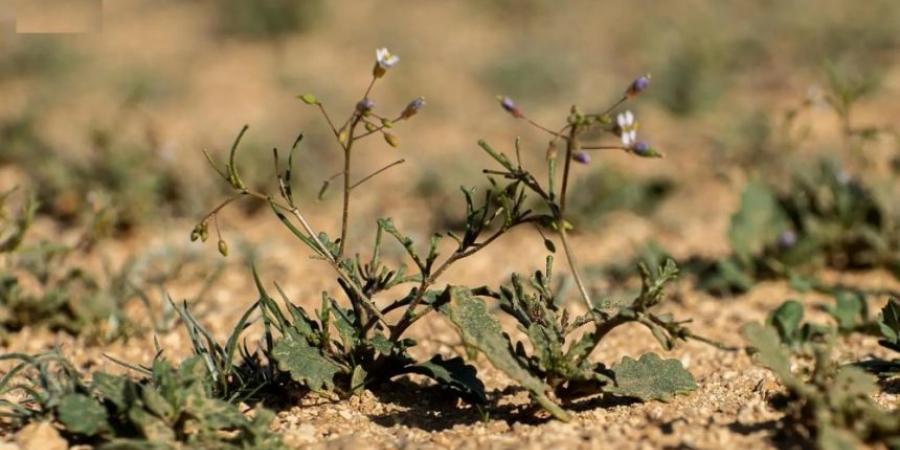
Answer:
(345, 210)
(328, 119)
(373, 174)
(332, 261)
(571, 146)
(411, 315)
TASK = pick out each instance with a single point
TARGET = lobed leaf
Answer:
(769, 351)
(757, 222)
(306, 364)
(889, 324)
(82, 415)
(651, 378)
(453, 374)
(479, 330)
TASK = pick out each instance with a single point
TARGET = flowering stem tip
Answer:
(384, 60)
(510, 106)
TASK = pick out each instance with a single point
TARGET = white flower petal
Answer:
(620, 119)
(629, 117)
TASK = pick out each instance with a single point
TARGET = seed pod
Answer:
(309, 99)
(223, 248)
(392, 140)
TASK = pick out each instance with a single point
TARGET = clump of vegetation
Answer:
(827, 217)
(347, 345)
(557, 364)
(43, 284)
(849, 313)
(38, 287)
(119, 183)
(172, 406)
(833, 408)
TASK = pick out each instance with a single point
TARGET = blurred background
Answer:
(107, 127)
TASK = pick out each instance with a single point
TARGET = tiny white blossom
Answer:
(627, 128)
(385, 58)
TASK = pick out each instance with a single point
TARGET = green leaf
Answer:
(850, 311)
(82, 414)
(454, 374)
(547, 346)
(651, 378)
(889, 324)
(767, 345)
(758, 221)
(157, 404)
(479, 330)
(786, 321)
(306, 364)
(499, 157)
(381, 344)
(851, 383)
(110, 388)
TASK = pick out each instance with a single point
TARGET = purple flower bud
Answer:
(365, 105)
(638, 85)
(643, 149)
(582, 157)
(412, 108)
(787, 239)
(510, 107)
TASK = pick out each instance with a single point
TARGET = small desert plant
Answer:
(832, 214)
(38, 286)
(121, 182)
(171, 407)
(833, 409)
(849, 313)
(558, 363)
(43, 283)
(828, 218)
(345, 346)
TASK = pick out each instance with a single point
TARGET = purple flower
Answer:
(640, 84)
(582, 157)
(510, 107)
(365, 105)
(787, 239)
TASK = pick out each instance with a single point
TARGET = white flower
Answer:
(627, 128)
(385, 59)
